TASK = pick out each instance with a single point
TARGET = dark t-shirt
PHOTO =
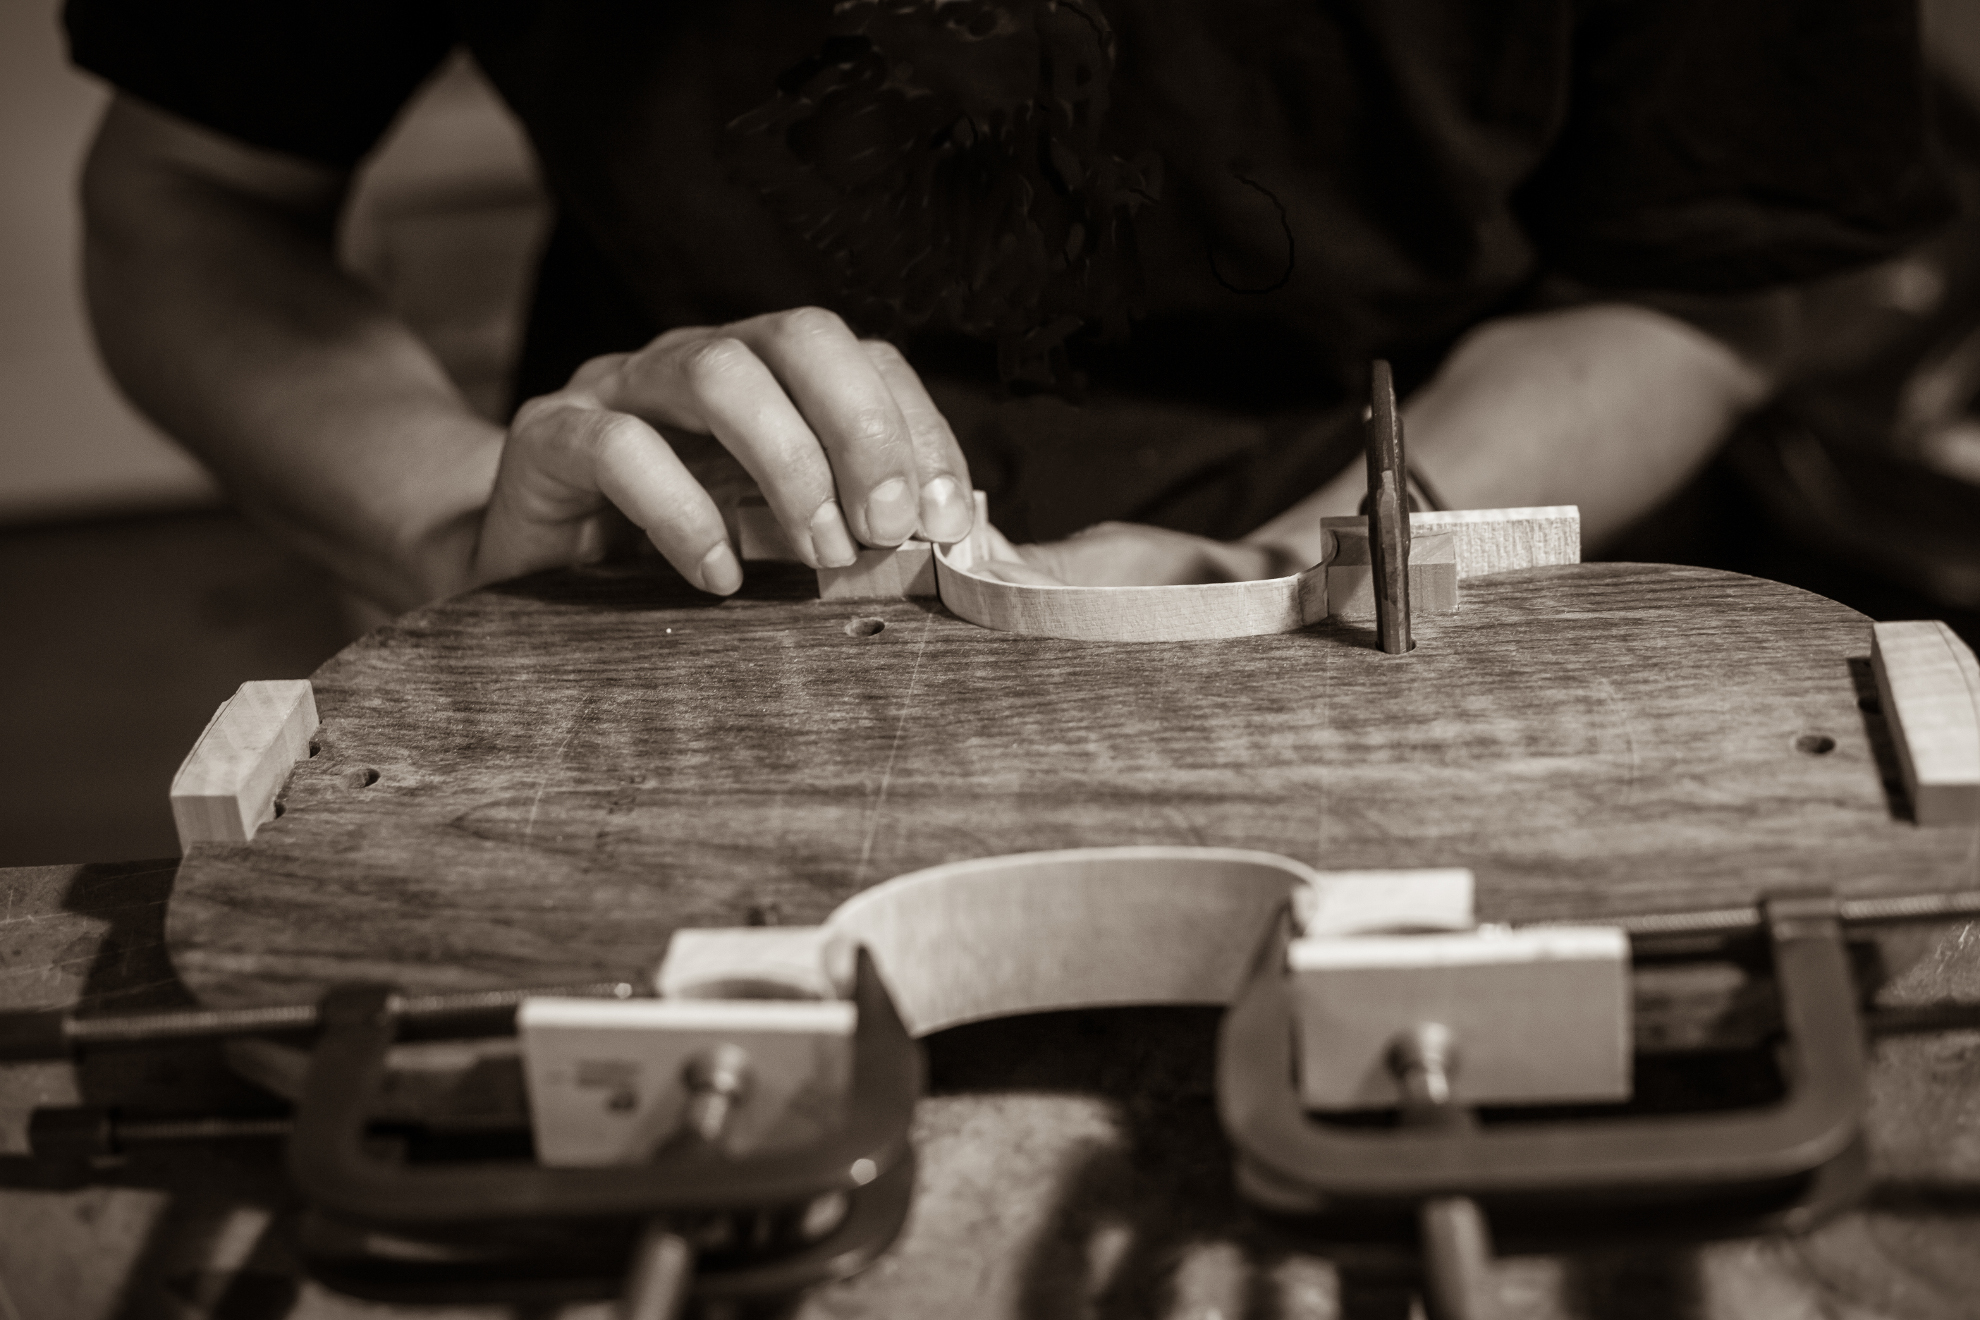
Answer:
(1197, 218)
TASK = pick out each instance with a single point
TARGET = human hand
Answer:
(1119, 554)
(837, 432)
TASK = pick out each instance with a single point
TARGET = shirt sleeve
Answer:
(315, 78)
(1723, 146)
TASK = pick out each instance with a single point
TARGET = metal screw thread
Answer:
(717, 1081)
(1423, 1059)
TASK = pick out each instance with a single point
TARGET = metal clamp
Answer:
(353, 1183)
(1291, 1163)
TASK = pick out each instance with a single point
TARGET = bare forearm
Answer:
(224, 316)
(1610, 407)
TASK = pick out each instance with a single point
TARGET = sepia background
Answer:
(133, 600)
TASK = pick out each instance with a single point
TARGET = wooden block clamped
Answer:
(1929, 683)
(225, 788)
(905, 571)
(613, 1081)
(888, 574)
(1433, 575)
(756, 962)
(1385, 902)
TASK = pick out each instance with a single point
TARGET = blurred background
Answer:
(133, 600)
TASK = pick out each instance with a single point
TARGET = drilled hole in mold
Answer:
(364, 778)
(865, 627)
(279, 809)
(315, 747)
(1815, 744)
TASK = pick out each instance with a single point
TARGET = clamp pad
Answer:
(1541, 1016)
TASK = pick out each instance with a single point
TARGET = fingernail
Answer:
(890, 512)
(830, 540)
(945, 514)
(720, 573)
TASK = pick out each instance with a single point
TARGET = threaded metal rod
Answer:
(1876, 910)
(295, 1019)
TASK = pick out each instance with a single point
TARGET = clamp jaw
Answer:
(387, 1226)
(1555, 1181)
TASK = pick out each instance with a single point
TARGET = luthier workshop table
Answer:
(537, 782)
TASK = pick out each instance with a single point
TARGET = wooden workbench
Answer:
(537, 782)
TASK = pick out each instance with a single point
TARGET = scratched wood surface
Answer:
(560, 780)
(539, 781)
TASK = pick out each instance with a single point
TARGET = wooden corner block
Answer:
(1385, 902)
(756, 962)
(225, 788)
(1433, 575)
(908, 570)
(1540, 1016)
(758, 534)
(1929, 683)
(608, 1079)
(1494, 540)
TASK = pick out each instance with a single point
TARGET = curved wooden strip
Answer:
(1477, 541)
(1196, 612)
(1074, 928)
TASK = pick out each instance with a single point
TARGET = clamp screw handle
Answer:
(717, 1081)
(1423, 1060)
(1456, 1241)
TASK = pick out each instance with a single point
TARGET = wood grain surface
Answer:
(538, 782)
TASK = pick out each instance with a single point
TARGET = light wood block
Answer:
(1540, 1015)
(225, 788)
(905, 571)
(1433, 575)
(606, 1077)
(758, 534)
(1494, 540)
(1929, 683)
(900, 573)
(756, 962)
(1386, 902)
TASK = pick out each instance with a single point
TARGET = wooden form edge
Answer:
(226, 787)
(1929, 683)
